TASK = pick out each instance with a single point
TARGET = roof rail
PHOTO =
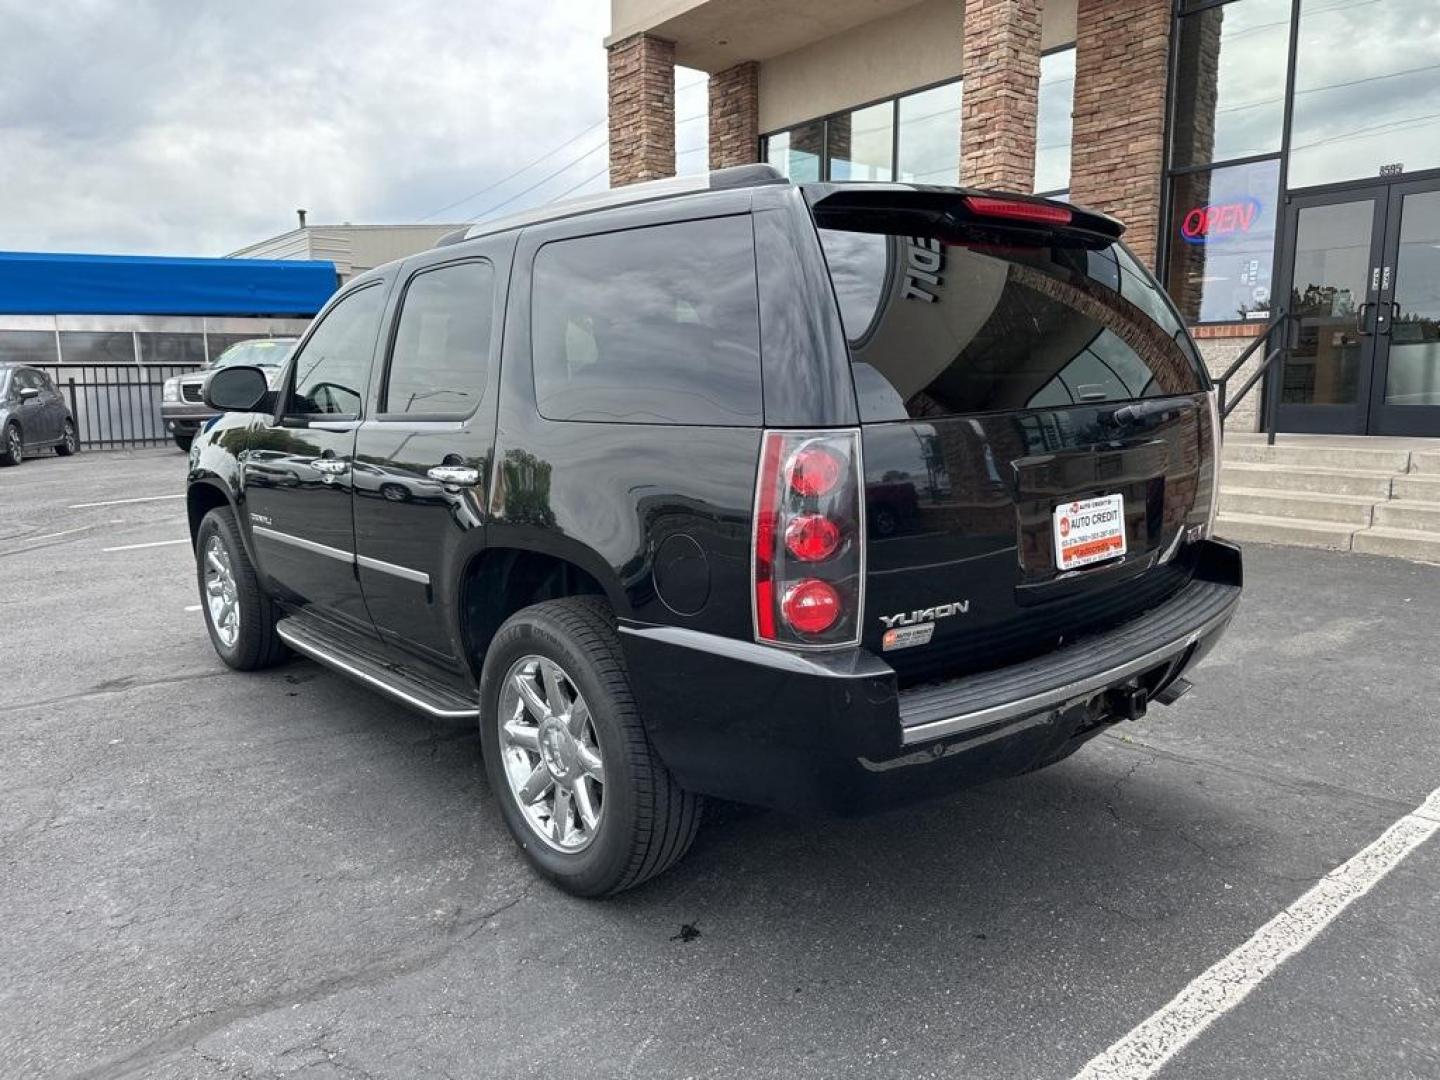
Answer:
(733, 178)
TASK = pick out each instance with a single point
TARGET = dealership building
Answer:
(1277, 162)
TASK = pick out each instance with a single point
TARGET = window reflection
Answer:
(797, 153)
(1380, 106)
(1413, 376)
(861, 143)
(1053, 128)
(1230, 75)
(930, 135)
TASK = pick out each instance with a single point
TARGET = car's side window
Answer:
(441, 354)
(658, 325)
(334, 366)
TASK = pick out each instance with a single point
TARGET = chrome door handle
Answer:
(330, 465)
(457, 475)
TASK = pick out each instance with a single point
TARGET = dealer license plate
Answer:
(1089, 531)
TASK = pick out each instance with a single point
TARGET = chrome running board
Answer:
(431, 700)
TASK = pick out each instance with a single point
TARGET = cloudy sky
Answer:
(198, 126)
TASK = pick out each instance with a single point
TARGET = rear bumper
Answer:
(832, 733)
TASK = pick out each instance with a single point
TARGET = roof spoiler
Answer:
(904, 206)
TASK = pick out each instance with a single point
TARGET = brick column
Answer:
(735, 115)
(1002, 88)
(1122, 52)
(642, 109)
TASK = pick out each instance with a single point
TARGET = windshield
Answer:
(262, 352)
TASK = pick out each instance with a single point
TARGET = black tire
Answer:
(12, 446)
(648, 820)
(69, 442)
(184, 441)
(256, 645)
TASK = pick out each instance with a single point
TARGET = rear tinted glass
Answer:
(941, 327)
(649, 326)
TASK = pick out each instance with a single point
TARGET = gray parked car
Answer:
(33, 415)
(182, 404)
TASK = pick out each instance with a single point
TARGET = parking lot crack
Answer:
(192, 1029)
(113, 686)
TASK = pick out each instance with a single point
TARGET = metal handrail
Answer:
(1228, 402)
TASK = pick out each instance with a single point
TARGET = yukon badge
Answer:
(917, 627)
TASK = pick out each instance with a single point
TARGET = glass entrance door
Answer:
(1334, 244)
(1405, 392)
(1363, 268)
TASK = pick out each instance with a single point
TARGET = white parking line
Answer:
(1146, 1049)
(193, 607)
(153, 543)
(119, 502)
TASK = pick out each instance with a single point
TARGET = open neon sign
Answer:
(1219, 220)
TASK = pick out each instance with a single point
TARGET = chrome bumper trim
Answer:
(981, 718)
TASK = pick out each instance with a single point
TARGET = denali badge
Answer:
(929, 614)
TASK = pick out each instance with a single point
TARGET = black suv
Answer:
(817, 496)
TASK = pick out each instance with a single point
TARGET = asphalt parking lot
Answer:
(206, 874)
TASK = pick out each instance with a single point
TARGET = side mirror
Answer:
(28, 393)
(236, 389)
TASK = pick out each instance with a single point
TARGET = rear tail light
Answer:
(1018, 210)
(808, 557)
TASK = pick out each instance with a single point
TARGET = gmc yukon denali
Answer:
(815, 496)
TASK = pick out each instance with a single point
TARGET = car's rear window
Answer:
(944, 327)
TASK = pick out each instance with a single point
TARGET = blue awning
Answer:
(40, 283)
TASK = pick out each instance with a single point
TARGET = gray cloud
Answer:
(196, 127)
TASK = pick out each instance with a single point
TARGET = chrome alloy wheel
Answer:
(15, 446)
(220, 595)
(551, 755)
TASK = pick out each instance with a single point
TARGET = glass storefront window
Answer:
(930, 136)
(1222, 241)
(1230, 81)
(1376, 111)
(91, 347)
(1052, 131)
(861, 144)
(798, 153)
(27, 347)
(172, 348)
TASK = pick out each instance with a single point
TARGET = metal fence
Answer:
(115, 405)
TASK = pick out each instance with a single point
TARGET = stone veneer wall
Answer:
(1219, 347)
(735, 115)
(1002, 87)
(642, 109)
(1122, 53)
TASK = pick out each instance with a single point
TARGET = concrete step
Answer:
(1418, 487)
(1356, 458)
(1402, 514)
(1262, 529)
(1425, 461)
(1399, 543)
(1353, 510)
(1263, 477)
